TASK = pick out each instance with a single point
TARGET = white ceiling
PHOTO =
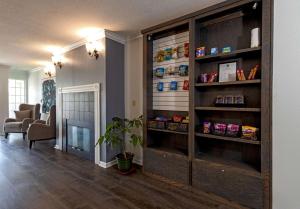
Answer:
(28, 26)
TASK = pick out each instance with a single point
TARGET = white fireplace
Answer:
(63, 92)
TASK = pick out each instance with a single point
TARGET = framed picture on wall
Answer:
(227, 71)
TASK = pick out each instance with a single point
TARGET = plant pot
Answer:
(124, 164)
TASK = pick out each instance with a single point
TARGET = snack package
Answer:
(160, 86)
(239, 99)
(249, 132)
(168, 54)
(186, 49)
(241, 75)
(253, 73)
(186, 85)
(200, 52)
(175, 53)
(220, 99)
(203, 78)
(206, 127)
(229, 99)
(212, 77)
(214, 51)
(177, 118)
(219, 129)
(173, 85)
(183, 70)
(232, 130)
(159, 72)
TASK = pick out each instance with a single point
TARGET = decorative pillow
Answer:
(21, 115)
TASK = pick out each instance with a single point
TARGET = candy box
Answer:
(232, 130)
(226, 49)
(219, 129)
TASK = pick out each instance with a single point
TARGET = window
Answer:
(16, 91)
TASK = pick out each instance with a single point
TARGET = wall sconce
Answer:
(94, 48)
(94, 45)
(57, 60)
(49, 70)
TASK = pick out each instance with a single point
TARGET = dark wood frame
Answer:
(265, 81)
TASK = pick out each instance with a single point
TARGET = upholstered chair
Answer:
(43, 130)
(26, 115)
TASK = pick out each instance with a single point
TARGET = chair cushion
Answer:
(21, 115)
(13, 127)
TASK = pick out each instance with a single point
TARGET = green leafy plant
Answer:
(118, 128)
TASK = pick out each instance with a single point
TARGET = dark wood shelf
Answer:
(232, 83)
(232, 164)
(229, 109)
(226, 138)
(229, 54)
(168, 131)
(169, 150)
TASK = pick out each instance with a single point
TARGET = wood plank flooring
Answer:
(45, 178)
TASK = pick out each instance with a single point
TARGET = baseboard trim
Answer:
(107, 165)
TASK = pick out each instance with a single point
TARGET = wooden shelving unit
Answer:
(226, 138)
(239, 52)
(232, 83)
(167, 131)
(221, 165)
(229, 109)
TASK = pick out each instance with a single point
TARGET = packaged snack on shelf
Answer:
(229, 99)
(253, 73)
(171, 70)
(168, 54)
(220, 99)
(200, 52)
(232, 130)
(186, 85)
(160, 86)
(249, 132)
(159, 72)
(212, 77)
(177, 118)
(152, 124)
(206, 127)
(183, 70)
(214, 51)
(160, 56)
(226, 49)
(203, 78)
(173, 85)
(175, 53)
(241, 75)
(239, 99)
(172, 126)
(186, 49)
(183, 127)
(186, 120)
(220, 129)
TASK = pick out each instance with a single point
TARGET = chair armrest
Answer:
(9, 120)
(39, 121)
(38, 131)
(25, 124)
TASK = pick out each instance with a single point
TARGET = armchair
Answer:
(43, 130)
(13, 125)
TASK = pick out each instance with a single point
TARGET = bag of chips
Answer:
(219, 129)
(206, 127)
(232, 130)
(249, 132)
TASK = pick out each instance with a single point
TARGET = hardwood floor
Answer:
(45, 178)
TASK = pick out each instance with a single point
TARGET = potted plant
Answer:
(115, 135)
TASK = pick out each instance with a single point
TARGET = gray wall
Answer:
(286, 105)
(107, 70)
(4, 75)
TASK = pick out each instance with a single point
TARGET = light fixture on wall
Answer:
(94, 45)
(57, 60)
(49, 70)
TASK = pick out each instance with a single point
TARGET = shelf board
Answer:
(226, 138)
(233, 164)
(229, 109)
(232, 83)
(229, 54)
(169, 150)
(168, 131)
